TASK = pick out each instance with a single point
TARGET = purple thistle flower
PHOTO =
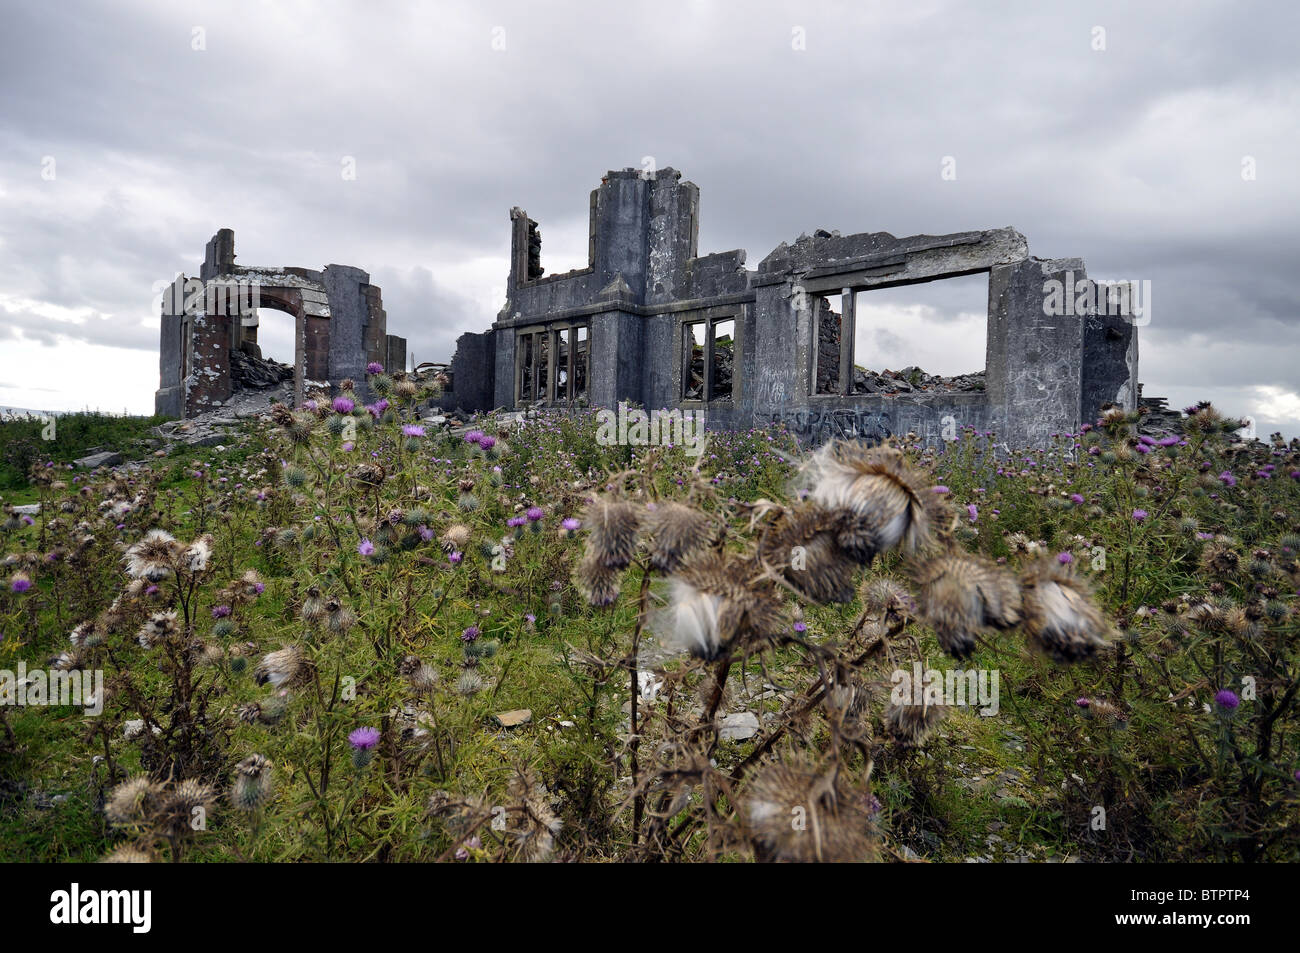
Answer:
(454, 557)
(413, 430)
(363, 739)
(800, 627)
(20, 584)
(374, 367)
(974, 512)
(366, 548)
(571, 524)
(1076, 498)
(348, 447)
(1083, 702)
(1169, 441)
(939, 489)
(1139, 515)
(259, 587)
(534, 513)
(1227, 698)
(470, 634)
(1064, 559)
(220, 612)
(1148, 441)
(516, 521)
(426, 534)
(486, 442)
(343, 405)
(151, 591)
(474, 436)
(1227, 478)
(28, 521)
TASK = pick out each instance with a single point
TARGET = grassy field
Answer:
(314, 659)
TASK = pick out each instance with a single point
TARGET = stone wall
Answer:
(1044, 372)
(340, 326)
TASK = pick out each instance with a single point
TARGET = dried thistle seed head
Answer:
(1059, 615)
(802, 545)
(339, 619)
(531, 822)
(598, 583)
(716, 601)
(422, 677)
(287, 668)
(888, 598)
(912, 723)
(369, 475)
(675, 531)
(883, 498)
(154, 557)
(961, 595)
(456, 537)
(132, 802)
(130, 854)
(612, 526)
(1105, 711)
(314, 605)
(187, 801)
(1220, 558)
(197, 557)
(253, 783)
(469, 683)
(799, 813)
(159, 628)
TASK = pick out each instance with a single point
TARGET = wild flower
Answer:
(20, 583)
(374, 367)
(343, 405)
(366, 548)
(1226, 698)
(412, 430)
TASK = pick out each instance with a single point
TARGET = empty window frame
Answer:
(708, 358)
(541, 379)
(829, 357)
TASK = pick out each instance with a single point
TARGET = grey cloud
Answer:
(1127, 158)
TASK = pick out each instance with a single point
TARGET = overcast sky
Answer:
(1159, 143)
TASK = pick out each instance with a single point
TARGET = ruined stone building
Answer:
(651, 321)
(209, 329)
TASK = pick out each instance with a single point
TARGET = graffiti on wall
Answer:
(818, 426)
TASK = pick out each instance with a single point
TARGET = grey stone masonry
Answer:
(650, 321)
(340, 327)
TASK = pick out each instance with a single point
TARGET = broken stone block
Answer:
(28, 509)
(739, 726)
(106, 459)
(513, 719)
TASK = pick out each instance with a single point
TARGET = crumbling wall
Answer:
(340, 327)
(645, 284)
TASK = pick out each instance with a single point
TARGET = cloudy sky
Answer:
(1160, 144)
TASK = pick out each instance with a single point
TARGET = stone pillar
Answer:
(1034, 358)
(616, 359)
(209, 381)
(169, 399)
(349, 319)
